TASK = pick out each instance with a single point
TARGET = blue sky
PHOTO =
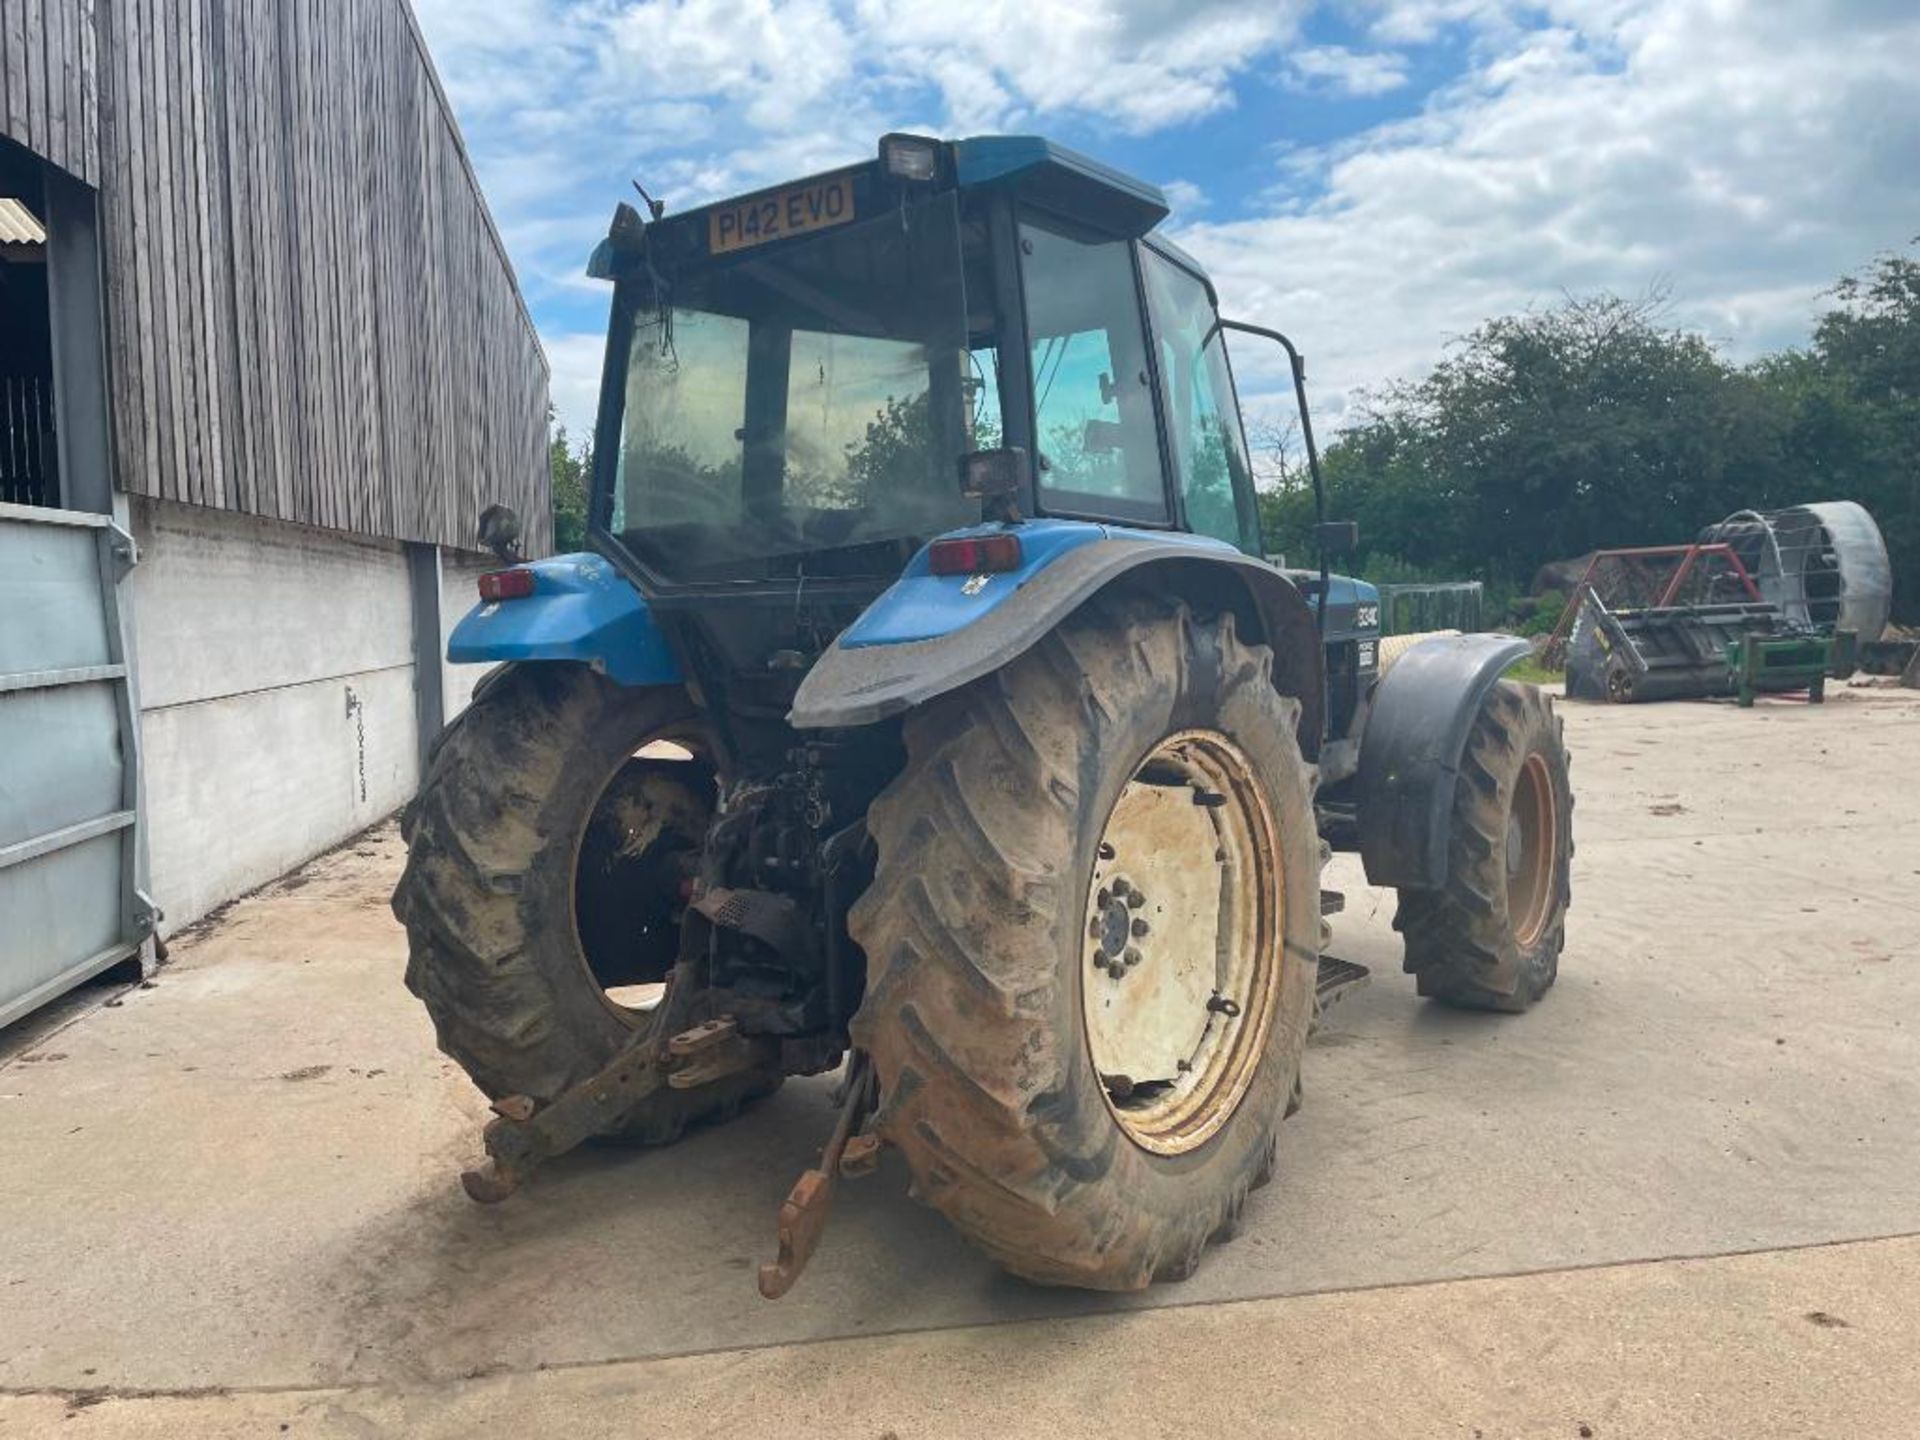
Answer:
(1373, 176)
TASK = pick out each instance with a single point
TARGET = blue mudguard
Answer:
(924, 606)
(929, 634)
(580, 609)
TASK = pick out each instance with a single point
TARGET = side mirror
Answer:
(1337, 537)
(1102, 437)
(992, 474)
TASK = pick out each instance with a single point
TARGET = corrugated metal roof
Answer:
(17, 225)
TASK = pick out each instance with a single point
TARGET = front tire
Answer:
(1003, 905)
(541, 871)
(1491, 938)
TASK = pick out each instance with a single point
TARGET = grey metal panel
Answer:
(53, 840)
(50, 599)
(41, 679)
(57, 914)
(69, 757)
(59, 759)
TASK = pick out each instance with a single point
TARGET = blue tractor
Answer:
(926, 711)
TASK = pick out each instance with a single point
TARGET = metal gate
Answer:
(69, 756)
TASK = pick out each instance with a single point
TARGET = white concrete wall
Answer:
(275, 673)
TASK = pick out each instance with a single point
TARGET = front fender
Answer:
(580, 609)
(929, 634)
(1417, 727)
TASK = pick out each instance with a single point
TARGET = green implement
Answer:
(1769, 665)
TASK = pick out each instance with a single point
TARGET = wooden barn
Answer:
(263, 361)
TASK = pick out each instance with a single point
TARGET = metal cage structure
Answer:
(1823, 565)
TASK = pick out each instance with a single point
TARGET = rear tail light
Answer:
(974, 555)
(514, 584)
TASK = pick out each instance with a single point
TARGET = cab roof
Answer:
(1032, 167)
(1062, 178)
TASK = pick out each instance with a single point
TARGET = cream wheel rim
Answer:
(1184, 932)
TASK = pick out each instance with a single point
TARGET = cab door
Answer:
(1096, 445)
(1206, 444)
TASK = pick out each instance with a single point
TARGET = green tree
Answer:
(1551, 433)
(895, 454)
(1850, 408)
(569, 470)
(1595, 423)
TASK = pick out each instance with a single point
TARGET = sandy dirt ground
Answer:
(229, 1199)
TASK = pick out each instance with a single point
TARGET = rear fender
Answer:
(1416, 734)
(582, 610)
(929, 634)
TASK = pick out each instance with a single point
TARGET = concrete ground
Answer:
(230, 1203)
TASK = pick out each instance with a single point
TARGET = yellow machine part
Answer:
(1392, 647)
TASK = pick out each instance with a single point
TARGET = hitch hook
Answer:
(803, 1215)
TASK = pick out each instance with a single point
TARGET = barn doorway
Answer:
(29, 429)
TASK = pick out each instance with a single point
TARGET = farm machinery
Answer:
(1762, 601)
(925, 713)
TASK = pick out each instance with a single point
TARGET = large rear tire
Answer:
(1019, 897)
(542, 871)
(1491, 938)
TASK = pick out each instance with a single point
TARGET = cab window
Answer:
(1203, 422)
(1098, 448)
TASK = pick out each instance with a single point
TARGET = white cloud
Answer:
(1349, 72)
(575, 358)
(1742, 152)
(1141, 64)
(1186, 198)
(563, 102)
(773, 65)
(769, 64)
(1416, 22)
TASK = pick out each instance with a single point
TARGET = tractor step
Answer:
(1337, 980)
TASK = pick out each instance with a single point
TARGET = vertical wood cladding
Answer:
(311, 316)
(48, 99)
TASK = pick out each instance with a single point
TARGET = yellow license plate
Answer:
(779, 214)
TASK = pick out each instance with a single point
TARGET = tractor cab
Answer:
(807, 383)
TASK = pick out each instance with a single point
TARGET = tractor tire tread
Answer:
(964, 963)
(1460, 945)
(486, 896)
